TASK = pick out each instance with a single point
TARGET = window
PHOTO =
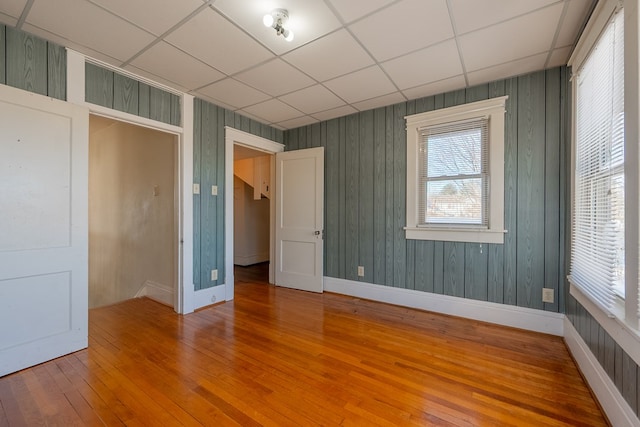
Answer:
(598, 232)
(455, 173)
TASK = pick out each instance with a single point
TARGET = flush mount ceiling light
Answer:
(277, 19)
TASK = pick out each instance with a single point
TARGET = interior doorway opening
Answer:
(252, 196)
(133, 217)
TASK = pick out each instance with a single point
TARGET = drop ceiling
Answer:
(346, 56)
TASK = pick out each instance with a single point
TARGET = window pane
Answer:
(455, 153)
(455, 201)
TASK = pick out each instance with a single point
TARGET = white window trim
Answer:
(493, 108)
(622, 323)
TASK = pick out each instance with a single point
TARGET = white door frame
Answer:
(233, 137)
(184, 293)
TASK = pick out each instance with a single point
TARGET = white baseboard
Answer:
(245, 260)
(502, 314)
(157, 292)
(615, 407)
(210, 296)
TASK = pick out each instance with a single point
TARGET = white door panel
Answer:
(43, 228)
(300, 219)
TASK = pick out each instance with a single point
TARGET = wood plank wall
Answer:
(208, 170)
(33, 64)
(366, 191)
(113, 90)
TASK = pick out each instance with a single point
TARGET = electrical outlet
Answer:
(214, 275)
(547, 295)
(360, 271)
(196, 188)
(214, 190)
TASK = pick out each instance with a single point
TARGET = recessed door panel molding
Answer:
(35, 185)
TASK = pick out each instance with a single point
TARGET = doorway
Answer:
(133, 221)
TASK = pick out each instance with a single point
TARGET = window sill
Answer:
(626, 335)
(455, 235)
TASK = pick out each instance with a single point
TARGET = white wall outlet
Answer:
(214, 190)
(360, 271)
(547, 295)
(196, 188)
(214, 274)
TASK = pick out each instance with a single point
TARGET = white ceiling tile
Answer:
(381, 101)
(419, 67)
(312, 99)
(308, 19)
(218, 43)
(404, 27)
(509, 69)
(275, 78)
(472, 15)
(234, 93)
(156, 16)
(273, 111)
(12, 8)
(511, 39)
(575, 17)
(351, 10)
(364, 84)
(331, 56)
(296, 123)
(559, 57)
(174, 65)
(435, 88)
(71, 44)
(345, 110)
(90, 26)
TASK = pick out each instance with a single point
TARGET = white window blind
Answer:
(453, 176)
(597, 253)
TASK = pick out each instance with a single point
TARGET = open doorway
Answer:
(252, 214)
(133, 221)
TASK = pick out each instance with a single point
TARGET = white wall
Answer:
(251, 225)
(132, 223)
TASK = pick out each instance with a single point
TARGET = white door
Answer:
(43, 228)
(299, 219)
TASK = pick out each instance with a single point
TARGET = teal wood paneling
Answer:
(144, 101)
(125, 94)
(389, 163)
(510, 191)
(351, 203)
(379, 197)
(332, 201)
(3, 54)
(552, 235)
(33, 64)
(530, 214)
(113, 90)
(399, 194)
(208, 169)
(98, 85)
(365, 210)
(26, 61)
(197, 162)
(56, 71)
(159, 105)
(618, 365)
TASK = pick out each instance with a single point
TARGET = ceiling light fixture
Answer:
(277, 19)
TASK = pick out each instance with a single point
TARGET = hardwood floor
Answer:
(281, 357)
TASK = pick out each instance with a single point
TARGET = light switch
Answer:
(196, 188)
(214, 190)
